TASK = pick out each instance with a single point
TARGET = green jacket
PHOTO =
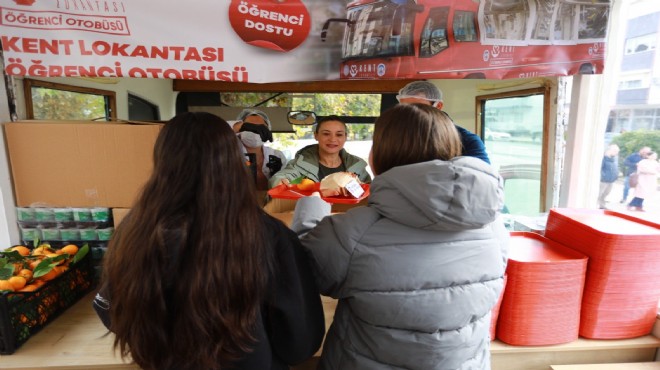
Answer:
(306, 163)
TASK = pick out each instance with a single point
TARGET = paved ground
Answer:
(651, 205)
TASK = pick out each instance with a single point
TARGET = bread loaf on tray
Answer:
(334, 184)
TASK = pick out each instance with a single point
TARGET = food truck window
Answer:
(140, 109)
(359, 111)
(48, 100)
(513, 127)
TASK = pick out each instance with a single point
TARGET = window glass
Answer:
(464, 27)
(359, 111)
(630, 84)
(379, 29)
(640, 44)
(513, 135)
(593, 22)
(565, 23)
(52, 101)
(434, 33)
(506, 19)
(142, 110)
(543, 28)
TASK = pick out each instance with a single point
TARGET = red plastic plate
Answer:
(284, 192)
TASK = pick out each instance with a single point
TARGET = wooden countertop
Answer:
(626, 366)
(74, 340)
(77, 340)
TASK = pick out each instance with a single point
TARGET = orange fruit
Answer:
(55, 272)
(6, 285)
(22, 250)
(18, 282)
(38, 282)
(70, 249)
(306, 184)
(26, 274)
(29, 288)
(42, 250)
(33, 264)
(53, 255)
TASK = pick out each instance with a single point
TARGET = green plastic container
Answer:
(70, 234)
(63, 214)
(25, 214)
(50, 234)
(30, 234)
(105, 234)
(100, 214)
(82, 214)
(44, 215)
(88, 234)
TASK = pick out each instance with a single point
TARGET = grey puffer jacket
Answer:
(416, 272)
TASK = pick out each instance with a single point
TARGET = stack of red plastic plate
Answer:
(622, 285)
(495, 312)
(541, 304)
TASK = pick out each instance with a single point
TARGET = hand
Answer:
(286, 183)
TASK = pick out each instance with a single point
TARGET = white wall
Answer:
(8, 228)
(459, 95)
(459, 101)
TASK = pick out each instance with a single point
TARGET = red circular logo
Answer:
(280, 25)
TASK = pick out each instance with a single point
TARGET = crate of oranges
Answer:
(38, 284)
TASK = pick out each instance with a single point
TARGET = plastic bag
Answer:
(633, 179)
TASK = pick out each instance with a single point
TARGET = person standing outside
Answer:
(197, 275)
(629, 167)
(609, 172)
(425, 92)
(417, 271)
(647, 169)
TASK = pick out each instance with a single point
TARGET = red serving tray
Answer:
(293, 192)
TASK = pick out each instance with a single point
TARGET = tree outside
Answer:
(345, 105)
(630, 142)
(67, 105)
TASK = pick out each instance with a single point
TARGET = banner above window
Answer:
(303, 40)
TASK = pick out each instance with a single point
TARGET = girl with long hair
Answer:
(197, 276)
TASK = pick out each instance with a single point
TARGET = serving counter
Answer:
(77, 340)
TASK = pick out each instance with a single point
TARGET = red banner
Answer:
(297, 40)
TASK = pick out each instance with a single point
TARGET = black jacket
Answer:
(292, 324)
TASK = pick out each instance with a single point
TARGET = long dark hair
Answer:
(413, 133)
(188, 267)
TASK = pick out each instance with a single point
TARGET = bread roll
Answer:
(335, 184)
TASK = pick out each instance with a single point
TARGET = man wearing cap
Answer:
(425, 92)
(253, 128)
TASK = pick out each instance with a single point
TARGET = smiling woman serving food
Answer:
(317, 161)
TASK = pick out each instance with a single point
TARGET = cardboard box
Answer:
(118, 214)
(79, 163)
